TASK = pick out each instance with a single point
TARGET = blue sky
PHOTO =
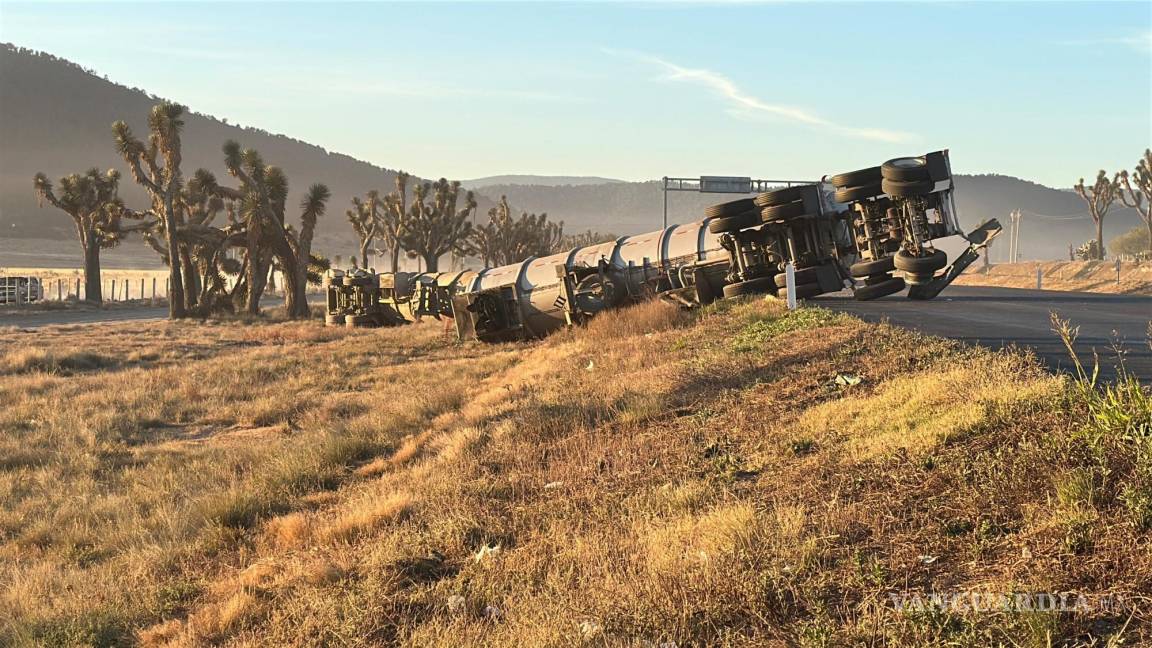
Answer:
(1048, 91)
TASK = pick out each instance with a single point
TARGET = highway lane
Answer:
(36, 319)
(1004, 317)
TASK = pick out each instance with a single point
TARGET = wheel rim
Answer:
(907, 163)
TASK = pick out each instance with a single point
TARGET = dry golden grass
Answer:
(1085, 276)
(703, 480)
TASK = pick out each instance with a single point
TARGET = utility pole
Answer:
(1014, 239)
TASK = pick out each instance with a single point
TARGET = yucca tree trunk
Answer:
(191, 287)
(431, 263)
(295, 289)
(395, 259)
(176, 305)
(92, 291)
(1100, 239)
(365, 261)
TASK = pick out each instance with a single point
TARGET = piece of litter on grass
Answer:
(591, 366)
(928, 559)
(848, 380)
(487, 551)
(590, 629)
(552, 485)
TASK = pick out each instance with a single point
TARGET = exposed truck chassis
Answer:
(856, 230)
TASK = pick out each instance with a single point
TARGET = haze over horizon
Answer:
(638, 91)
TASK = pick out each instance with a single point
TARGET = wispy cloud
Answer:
(1141, 42)
(742, 104)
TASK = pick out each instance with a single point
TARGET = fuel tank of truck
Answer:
(535, 297)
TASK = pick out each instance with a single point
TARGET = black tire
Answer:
(803, 276)
(730, 208)
(925, 265)
(907, 189)
(872, 280)
(851, 194)
(780, 196)
(356, 321)
(783, 212)
(334, 320)
(878, 290)
(734, 223)
(869, 176)
(808, 290)
(876, 266)
(757, 286)
(905, 169)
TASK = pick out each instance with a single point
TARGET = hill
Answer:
(536, 180)
(56, 117)
(744, 476)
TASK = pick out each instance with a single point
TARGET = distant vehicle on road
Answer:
(20, 290)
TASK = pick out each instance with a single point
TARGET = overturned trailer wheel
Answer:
(757, 286)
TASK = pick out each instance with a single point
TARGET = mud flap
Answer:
(978, 240)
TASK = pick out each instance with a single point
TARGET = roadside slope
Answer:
(1086, 276)
(744, 476)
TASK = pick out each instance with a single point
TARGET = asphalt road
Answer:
(1004, 317)
(36, 319)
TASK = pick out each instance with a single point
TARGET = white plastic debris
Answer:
(590, 630)
(591, 366)
(487, 551)
(553, 485)
(928, 559)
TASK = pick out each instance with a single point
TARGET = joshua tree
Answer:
(1140, 197)
(1099, 197)
(156, 167)
(395, 218)
(312, 207)
(263, 192)
(436, 228)
(90, 199)
(582, 239)
(366, 221)
(507, 240)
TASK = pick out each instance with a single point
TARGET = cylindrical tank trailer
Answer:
(854, 231)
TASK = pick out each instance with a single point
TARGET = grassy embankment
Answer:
(718, 479)
(1086, 276)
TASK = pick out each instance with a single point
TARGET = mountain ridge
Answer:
(56, 116)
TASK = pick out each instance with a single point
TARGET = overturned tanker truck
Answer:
(870, 231)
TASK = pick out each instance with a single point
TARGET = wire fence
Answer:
(31, 289)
